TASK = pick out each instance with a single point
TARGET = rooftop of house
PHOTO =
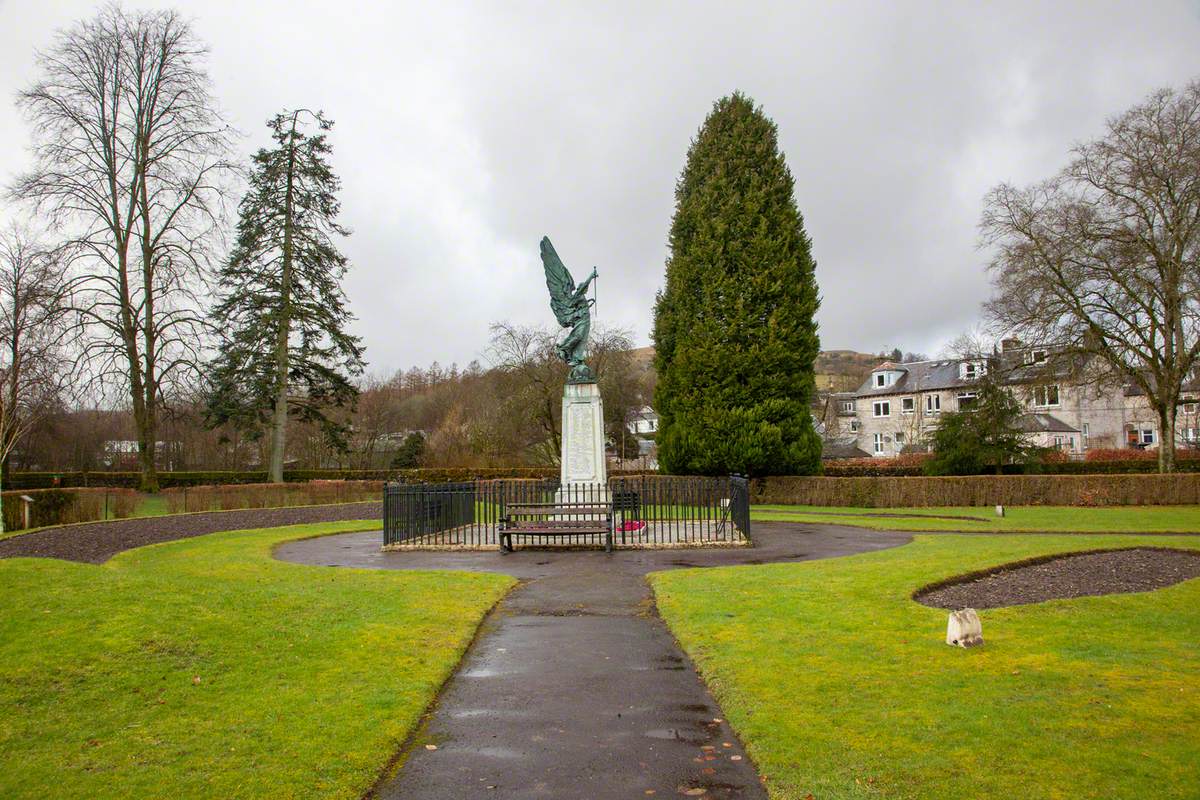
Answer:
(645, 412)
(1043, 423)
(833, 451)
(917, 376)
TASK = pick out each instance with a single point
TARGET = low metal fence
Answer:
(649, 511)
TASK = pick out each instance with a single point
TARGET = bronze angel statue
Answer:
(573, 310)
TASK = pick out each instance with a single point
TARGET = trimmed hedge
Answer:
(65, 506)
(885, 468)
(168, 480)
(269, 495)
(980, 490)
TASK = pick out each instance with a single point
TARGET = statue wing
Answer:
(558, 281)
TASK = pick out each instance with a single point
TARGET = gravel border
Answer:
(96, 542)
(1065, 575)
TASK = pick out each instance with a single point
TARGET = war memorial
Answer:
(584, 507)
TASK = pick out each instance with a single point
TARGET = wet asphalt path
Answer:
(574, 687)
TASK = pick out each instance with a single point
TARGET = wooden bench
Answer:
(556, 519)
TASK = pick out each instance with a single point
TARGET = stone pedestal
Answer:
(583, 443)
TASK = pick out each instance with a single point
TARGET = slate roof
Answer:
(919, 376)
(835, 399)
(1188, 388)
(833, 451)
(1043, 423)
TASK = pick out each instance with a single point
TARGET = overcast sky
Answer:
(467, 131)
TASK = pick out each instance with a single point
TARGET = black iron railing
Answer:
(649, 510)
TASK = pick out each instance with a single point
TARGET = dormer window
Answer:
(971, 370)
(885, 376)
(1035, 356)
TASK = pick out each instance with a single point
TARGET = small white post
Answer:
(999, 511)
(964, 628)
(28, 504)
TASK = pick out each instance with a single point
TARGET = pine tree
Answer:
(410, 452)
(734, 332)
(282, 313)
(986, 435)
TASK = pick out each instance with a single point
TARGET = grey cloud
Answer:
(466, 132)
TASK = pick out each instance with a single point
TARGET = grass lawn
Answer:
(841, 686)
(1108, 519)
(150, 505)
(204, 668)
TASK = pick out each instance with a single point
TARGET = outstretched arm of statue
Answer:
(583, 287)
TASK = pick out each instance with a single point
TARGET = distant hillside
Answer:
(836, 370)
(843, 370)
(643, 356)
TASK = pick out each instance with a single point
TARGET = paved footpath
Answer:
(574, 687)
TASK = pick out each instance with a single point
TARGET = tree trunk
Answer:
(148, 480)
(147, 421)
(1166, 437)
(146, 453)
(279, 421)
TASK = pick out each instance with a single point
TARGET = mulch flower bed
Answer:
(1099, 572)
(97, 542)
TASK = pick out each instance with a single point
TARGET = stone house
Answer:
(899, 404)
(839, 420)
(644, 420)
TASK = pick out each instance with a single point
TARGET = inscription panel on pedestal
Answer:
(581, 443)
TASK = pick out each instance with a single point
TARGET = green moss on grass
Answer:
(205, 668)
(1017, 519)
(841, 685)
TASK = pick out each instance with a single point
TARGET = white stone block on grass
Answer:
(964, 628)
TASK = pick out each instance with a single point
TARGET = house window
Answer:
(1146, 436)
(878, 443)
(853, 426)
(967, 399)
(883, 408)
(1190, 435)
(1087, 431)
(907, 404)
(847, 406)
(880, 379)
(1044, 396)
(1189, 408)
(933, 404)
(1035, 356)
(970, 371)
(900, 437)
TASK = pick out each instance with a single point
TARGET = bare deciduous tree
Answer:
(1101, 260)
(33, 362)
(129, 156)
(534, 378)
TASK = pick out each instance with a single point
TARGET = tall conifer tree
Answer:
(282, 313)
(734, 328)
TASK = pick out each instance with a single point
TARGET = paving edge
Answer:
(396, 761)
(651, 611)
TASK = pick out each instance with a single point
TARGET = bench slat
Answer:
(557, 523)
(558, 511)
(559, 532)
